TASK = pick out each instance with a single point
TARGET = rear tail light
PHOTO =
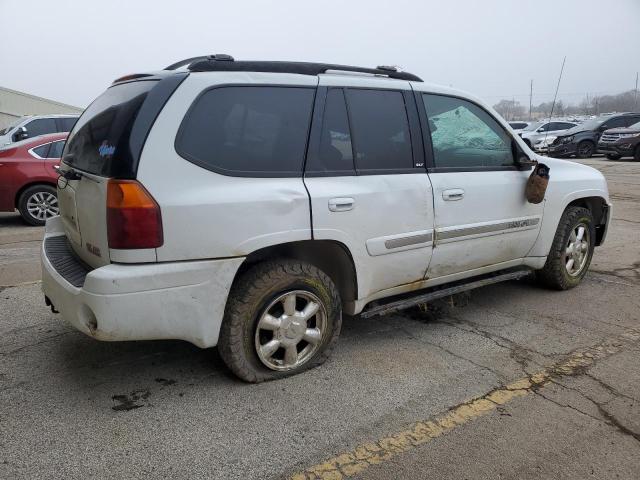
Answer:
(133, 216)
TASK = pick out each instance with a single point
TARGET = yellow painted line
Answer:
(353, 462)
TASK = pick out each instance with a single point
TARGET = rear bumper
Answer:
(179, 300)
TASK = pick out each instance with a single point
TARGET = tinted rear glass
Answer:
(380, 130)
(66, 124)
(42, 151)
(248, 131)
(40, 126)
(55, 150)
(99, 141)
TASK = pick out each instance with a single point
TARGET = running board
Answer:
(445, 291)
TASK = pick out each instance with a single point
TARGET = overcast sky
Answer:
(70, 51)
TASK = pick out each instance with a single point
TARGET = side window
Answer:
(464, 135)
(545, 128)
(335, 152)
(55, 151)
(631, 121)
(66, 124)
(42, 151)
(248, 130)
(380, 130)
(616, 122)
(40, 126)
(565, 126)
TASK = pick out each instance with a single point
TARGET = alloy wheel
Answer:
(577, 250)
(42, 205)
(290, 330)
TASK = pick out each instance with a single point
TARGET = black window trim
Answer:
(32, 151)
(313, 146)
(419, 153)
(427, 138)
(243, 173)
(145, 119)
(414, 149)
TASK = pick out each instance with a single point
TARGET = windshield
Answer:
(99, 141)
(11, 126)
(533, 126)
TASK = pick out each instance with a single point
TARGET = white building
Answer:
(14, 104)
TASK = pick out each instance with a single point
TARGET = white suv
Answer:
(35, 125)
(249, 204)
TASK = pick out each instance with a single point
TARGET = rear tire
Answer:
(282, 318)
(613, 156)
(585, 149)
(571, 250)
(37, 203)
(636, 154)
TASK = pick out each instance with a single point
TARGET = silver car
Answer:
(35, 125)
(539, 135)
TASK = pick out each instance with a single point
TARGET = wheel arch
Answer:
(330, 256)
(599, 209)
(593, 199)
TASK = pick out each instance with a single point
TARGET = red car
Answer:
(28, 177)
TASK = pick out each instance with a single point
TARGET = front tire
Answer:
(571, 250)
(613, 156)
(585, 149)
(282, 318)
(37, 203)
(636, 155)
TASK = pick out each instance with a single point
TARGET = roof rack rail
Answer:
(226, 63)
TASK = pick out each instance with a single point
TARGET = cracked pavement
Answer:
(73, 407)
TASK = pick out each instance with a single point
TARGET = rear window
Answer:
(99, 141)
(248, 131)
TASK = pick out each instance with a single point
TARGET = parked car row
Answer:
(35, 125)
(614, 135)
(28, 175)
(621, 142)
(539, 135)
(30, 151)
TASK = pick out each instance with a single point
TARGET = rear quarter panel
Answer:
(18, 172)
(209, 215)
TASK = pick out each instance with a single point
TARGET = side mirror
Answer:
(21, 134)
(525, 163)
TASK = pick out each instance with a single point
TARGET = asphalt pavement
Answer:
(509, 381)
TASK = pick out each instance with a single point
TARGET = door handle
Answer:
(453, 194)
(341, 204)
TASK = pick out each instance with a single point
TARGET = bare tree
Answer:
(510, 109)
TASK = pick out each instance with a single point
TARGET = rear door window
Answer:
(380, 129)
(631, 121)
(334, 154)
(66, 124)
(99, 141)
(248, 131)
(55, 149)
(616, 122)
(42, 151)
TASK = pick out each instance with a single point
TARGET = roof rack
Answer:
(226, 63)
